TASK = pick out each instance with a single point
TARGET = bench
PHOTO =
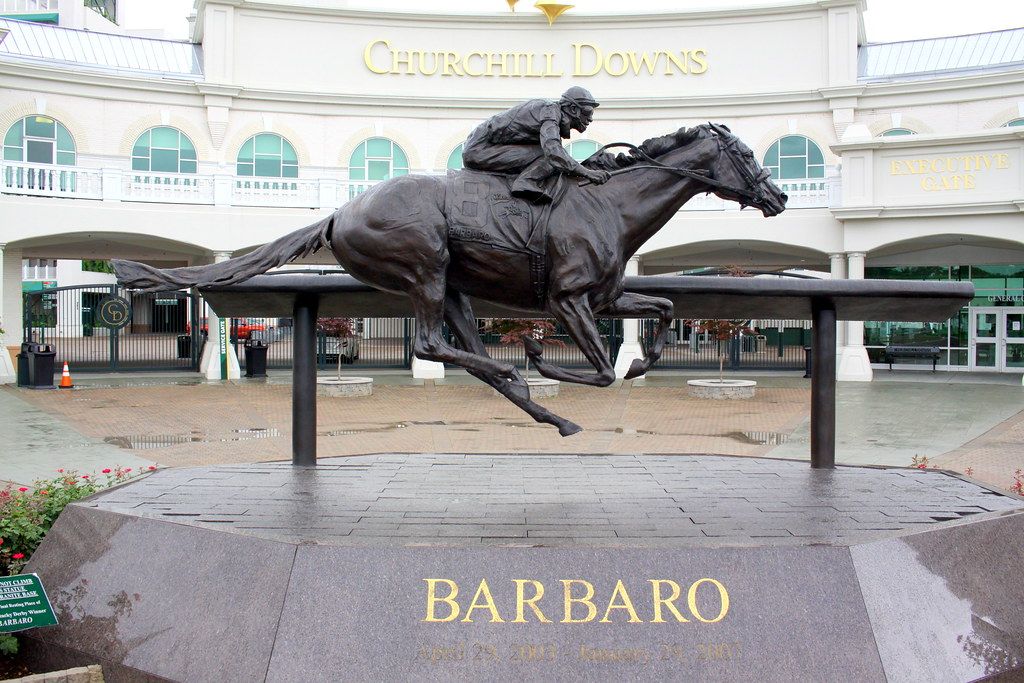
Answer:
(892, 352)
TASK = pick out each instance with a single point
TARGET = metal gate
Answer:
(161, 335)
(775, 345)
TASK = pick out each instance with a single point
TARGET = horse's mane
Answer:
(652, 147)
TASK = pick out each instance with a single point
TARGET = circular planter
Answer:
(727, 389)
(344, 386)
(542, 387)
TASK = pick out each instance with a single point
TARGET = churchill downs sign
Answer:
(586, 59)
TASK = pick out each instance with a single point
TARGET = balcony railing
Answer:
(110, 184)
(28, 6)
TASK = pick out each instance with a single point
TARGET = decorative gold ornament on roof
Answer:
(512, 4)
(552, 10)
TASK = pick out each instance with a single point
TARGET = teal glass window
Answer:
(581, 149)
(267, 155)
(378, 159)
(164, 150)
(893, 132)
(1015, 122)
(39, 140)
(455, 159)
(795, 157)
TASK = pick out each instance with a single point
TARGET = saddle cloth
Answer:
(481, 209)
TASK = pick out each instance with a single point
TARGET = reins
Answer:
(700, 174)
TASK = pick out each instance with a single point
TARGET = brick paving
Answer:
(555, 500)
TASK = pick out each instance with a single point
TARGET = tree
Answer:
(514, 330)
(724, 330)
(342, 328)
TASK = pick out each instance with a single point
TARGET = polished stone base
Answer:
(595, 567)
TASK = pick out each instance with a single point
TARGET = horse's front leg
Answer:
(641, 306)
(574, 313)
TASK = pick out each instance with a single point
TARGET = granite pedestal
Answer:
(458, 567)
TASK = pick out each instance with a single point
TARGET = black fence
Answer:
(168, 330)
(159, 336)
(774, 347)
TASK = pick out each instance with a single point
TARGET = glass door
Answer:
(985, 339)
(1013, 339)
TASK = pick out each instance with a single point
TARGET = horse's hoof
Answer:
(636, 368)
(566, 428)
(532, 346)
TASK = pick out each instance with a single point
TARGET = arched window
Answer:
(39, 140)
(580, 150)
(795, 157)
(1015, 122)
(373, 160)
(455, 159)
(893, 132)
(164, 150)
(267, 155)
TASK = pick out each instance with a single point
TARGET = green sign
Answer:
(223, 346)
(23, 603)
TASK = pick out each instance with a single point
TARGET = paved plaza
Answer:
(957, 421)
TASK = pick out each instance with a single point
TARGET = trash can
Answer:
(40, 366)
(255, 358)
(184, 346)
(22, 357)
(807, 362)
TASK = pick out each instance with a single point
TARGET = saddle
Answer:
(480, 208)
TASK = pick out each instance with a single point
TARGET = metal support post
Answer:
(823, 385)
(304, 380)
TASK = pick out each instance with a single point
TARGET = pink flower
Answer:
(106, 470)
(23, 489)
(128, 470)
(17, 556)
(61, 470)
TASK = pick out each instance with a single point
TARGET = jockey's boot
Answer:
(530, 183)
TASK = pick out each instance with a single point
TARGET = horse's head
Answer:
(738, 177)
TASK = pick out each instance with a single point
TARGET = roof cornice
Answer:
(931, 140)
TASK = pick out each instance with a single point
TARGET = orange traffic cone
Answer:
(65, 378)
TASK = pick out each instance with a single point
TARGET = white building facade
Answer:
(900, 160)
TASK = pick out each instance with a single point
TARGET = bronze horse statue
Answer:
(566, 258)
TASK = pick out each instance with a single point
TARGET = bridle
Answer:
(752, 194)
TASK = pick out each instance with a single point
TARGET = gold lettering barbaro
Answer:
(950, 173)
(588, 60)
(581, 602)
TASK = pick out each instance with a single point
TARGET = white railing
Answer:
(276, 192)
(28, 6)
(51, 181)
(171, 188)
(114, 184)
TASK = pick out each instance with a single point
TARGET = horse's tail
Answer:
(300, 243)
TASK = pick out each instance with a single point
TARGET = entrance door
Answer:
(997, 339)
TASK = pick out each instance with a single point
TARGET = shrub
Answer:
(27, 513)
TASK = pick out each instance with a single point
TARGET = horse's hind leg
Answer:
(429, 344)
(459, 315)
(574, 313)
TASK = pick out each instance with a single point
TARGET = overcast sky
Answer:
(886, 20)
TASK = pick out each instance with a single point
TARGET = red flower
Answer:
(23, 489)
(128, 470)
(17, 556)
(106, 470)
(922, 466)
(44, 492)
(85, 476)
(61, 470)
(151, 467)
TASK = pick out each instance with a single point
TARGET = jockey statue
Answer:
(527, 139)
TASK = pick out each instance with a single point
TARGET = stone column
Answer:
(7, 322)
(630, 348)
(838, 270)
(854, 365)
(210, 364)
